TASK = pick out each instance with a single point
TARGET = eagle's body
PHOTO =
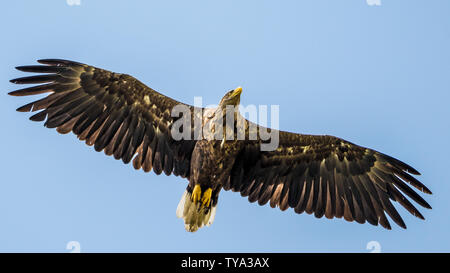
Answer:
(212, 162)
(211, 165)
(320, 175)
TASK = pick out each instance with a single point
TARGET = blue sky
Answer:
(374, 75)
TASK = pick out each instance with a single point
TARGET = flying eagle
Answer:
(317, 174)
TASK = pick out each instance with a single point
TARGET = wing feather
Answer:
(326, 175)
(114, 112)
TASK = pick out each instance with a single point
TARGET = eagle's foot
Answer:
(196, 194)
(206, 199)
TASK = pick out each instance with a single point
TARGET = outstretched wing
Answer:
(329, 176)
(114, 112)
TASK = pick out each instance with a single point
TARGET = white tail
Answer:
(193, 215)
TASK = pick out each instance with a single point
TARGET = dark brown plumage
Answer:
(327, 176)
(114, 112)
(320, 175)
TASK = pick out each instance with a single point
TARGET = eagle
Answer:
(317, 174)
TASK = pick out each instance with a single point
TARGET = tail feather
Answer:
(194, 215)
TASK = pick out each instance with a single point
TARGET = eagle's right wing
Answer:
(114, 112)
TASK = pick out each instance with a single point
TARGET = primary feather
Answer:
(111, 111)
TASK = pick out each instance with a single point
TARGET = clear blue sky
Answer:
(374, 75)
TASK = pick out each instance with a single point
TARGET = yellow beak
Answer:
(237, 92)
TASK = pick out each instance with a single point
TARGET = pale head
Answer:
(232, 98)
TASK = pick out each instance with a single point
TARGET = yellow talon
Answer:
(206, 199)
(196, 194)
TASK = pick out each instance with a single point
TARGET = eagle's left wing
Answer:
(326, 175)
(114, 112)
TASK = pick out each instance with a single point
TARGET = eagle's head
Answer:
(232, 98)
